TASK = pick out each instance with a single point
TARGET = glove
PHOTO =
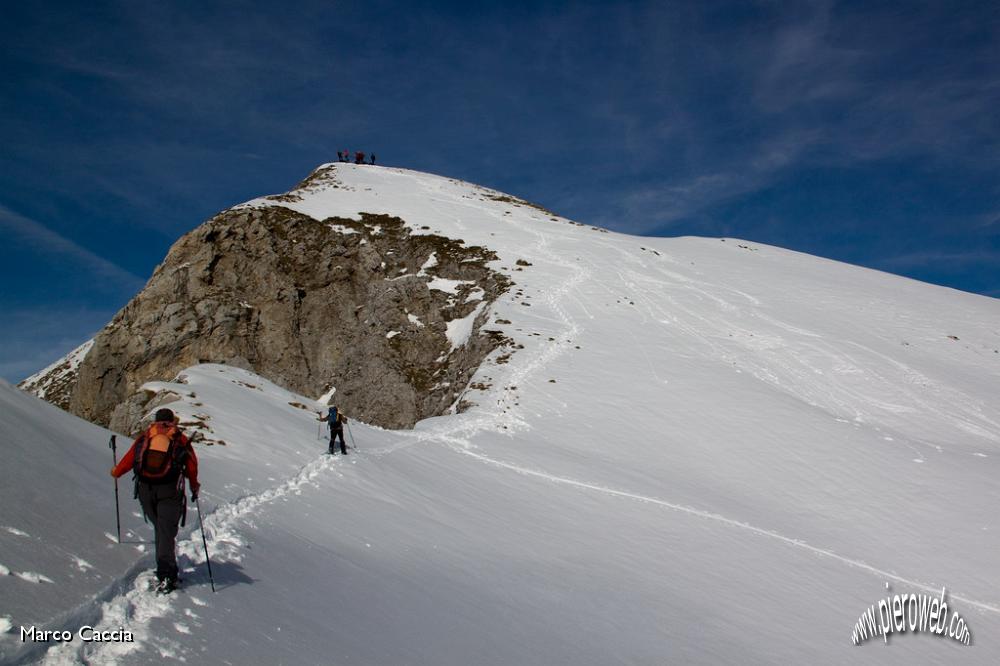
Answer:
(194, 495)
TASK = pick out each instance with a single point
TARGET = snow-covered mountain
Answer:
(694, 451)
(390, 317)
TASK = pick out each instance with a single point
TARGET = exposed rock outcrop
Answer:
(363, 305)
(55, 383)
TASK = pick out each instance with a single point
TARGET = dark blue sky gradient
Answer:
(866, 132)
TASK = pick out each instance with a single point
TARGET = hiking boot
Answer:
(167, 585)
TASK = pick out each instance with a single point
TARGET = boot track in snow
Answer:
(131, 604)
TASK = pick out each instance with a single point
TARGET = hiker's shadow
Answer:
(225, 574)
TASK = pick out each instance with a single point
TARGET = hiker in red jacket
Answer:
(359, 157)
(162, 457)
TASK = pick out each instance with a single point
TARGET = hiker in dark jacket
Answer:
(162, 457)
(335, 420)
(372, 158)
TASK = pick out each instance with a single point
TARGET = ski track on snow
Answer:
(451, 437)
(505, 412)
(138, 607)
(749, 342)
(462, 447)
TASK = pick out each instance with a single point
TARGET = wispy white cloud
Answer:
(36, 337)
(19, 361)
(871, 85)
(46, 241)
(659, 204)
(800, 65)
(639, 116)
(935, 258)
(990, 219)
(822, 86)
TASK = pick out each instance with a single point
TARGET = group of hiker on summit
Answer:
(359, 157)
(161, 459)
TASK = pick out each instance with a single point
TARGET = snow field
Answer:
(707, 451)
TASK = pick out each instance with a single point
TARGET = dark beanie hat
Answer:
(164, 414)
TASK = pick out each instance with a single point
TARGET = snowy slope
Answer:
(59, 556)
(58, 547)
(708, 451)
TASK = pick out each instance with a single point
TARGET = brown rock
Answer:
(304, 305)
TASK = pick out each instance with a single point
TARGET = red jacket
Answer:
(190, 467)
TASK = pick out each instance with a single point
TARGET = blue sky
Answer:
(866, 132)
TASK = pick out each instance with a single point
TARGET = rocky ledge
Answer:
(390, 318)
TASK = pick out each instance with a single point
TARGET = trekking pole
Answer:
(204, 543)
(349, 432)
(114, 456)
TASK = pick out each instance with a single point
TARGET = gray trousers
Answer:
(163, 505)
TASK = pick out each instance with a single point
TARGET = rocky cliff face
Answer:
(55, 383)
(391, 319)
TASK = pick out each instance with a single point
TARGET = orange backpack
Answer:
(160, 456)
